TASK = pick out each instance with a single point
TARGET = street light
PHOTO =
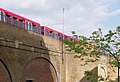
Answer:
(63, 37)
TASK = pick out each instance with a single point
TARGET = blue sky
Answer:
(82, 16)
(113, 21)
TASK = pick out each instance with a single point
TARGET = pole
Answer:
(63, 37)
(63, 23)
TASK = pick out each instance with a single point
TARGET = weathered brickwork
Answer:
(4, 75)
(29, 56)
(39, 70)
(19, 47)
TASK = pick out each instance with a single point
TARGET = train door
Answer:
(21, 23)
(1, 16)
(29, 26)
(38, 29)
(34, 28)
(56, 35)
(42, 30)
(51, 34)
(65, 37)
(15, 21)
(47, 32)
(61, 37)
(8, 20)
(69, 39)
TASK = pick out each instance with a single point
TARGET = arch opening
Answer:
(39, 70)
(4, 73)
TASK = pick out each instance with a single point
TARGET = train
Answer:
(30, 25)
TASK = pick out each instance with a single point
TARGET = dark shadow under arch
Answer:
(49, 67)
(10, 77)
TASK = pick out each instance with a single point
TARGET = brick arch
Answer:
(39, 70)
(4, 73)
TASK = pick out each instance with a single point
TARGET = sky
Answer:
(82, 16)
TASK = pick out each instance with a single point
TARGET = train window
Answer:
(30, 27)
(56, 35)
(21, 23)
(69, 39)
(38, 30)
(34, 28)
(2, 16)
(65, 38)
(62, 37)
(8, 19)
(51, 34)
(42, 30)
(27, 25)
(47, 32)
(15, 21)
(75, 37)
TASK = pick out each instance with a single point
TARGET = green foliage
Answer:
(73, 32)
(97, 45)
(90, 76)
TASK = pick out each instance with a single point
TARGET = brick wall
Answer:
(39, 70)
(4, 75)
(21, 48)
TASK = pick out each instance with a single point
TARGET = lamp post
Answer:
(63, 37)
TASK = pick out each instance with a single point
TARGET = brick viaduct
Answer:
(28, 57)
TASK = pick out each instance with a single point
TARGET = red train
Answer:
(27, 24)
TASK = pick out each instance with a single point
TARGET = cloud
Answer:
(24, 5)
(115, 12)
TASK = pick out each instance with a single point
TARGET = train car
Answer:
(58, 35)
(66, 37)
(47, 31)
(27, 24)
(51, 33)
(19, 21)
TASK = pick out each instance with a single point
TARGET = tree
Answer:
(98, 45)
